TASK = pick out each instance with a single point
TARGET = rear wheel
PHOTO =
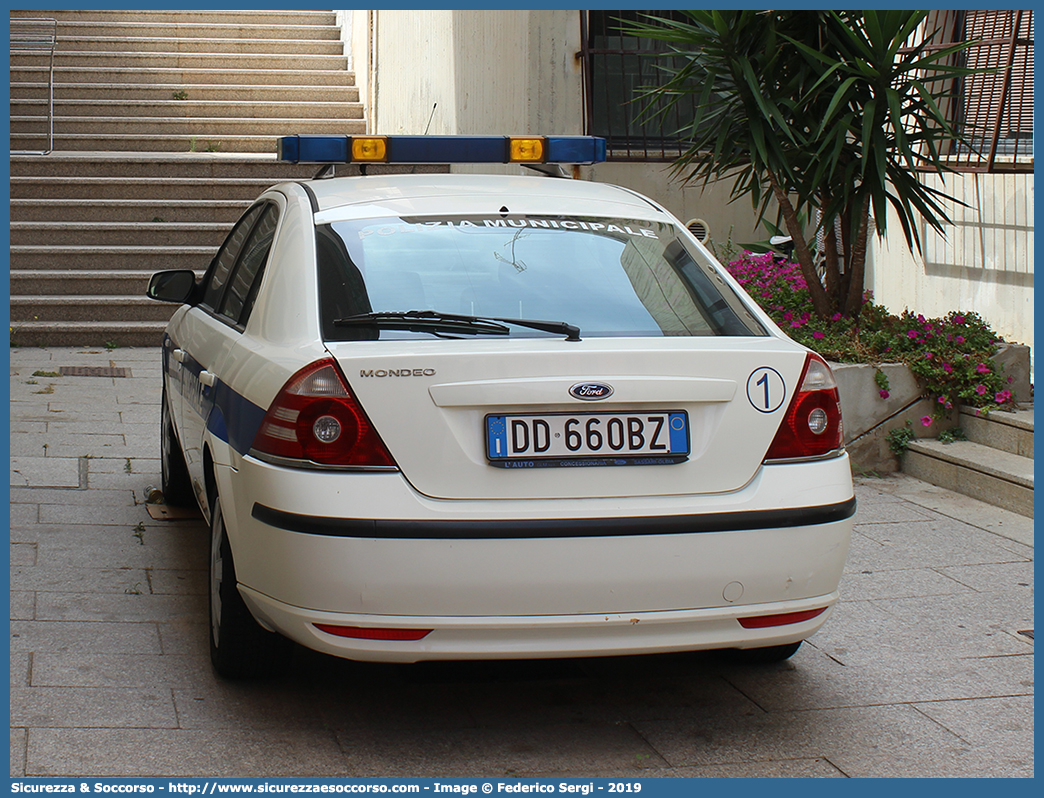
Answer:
(174, 476)
(239, 647)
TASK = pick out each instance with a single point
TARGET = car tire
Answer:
(174, 477)
(239, 647)
(766, 655)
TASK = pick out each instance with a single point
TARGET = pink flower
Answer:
(947, 368)
(788, 316)
(817, 335)
(911, 333)
(926, 421)
(942, 400)
(836, 317)
(884, 394)
(960, 339)
(928, 355)
(1002, 397)
(958, 319)
(980, 389)
(982, 368)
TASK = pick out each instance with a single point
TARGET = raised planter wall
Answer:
(868, 418)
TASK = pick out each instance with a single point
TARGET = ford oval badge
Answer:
(591, 391)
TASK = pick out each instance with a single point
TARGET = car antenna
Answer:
(413, 169)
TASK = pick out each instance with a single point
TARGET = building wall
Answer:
(506, 72)
(500, 72)
(983, 264)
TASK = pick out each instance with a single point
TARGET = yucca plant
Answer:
(829, 111)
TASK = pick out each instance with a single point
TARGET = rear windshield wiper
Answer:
(431, 320)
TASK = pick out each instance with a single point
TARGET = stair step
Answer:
(99, 126)
(67, 113)
(91, 29)
(80, 282)
(990, 475)
(188, 17)
(1009, 432)
(72, 258)
(210, 46)
(171, 234)
(200, 141)
(227, 93)
(174, 166)
(201, 61)
(89, 308)
(142, 189)
(88, 333)
(126, 210)
(181, 76)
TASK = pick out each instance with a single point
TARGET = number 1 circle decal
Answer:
(766, 389)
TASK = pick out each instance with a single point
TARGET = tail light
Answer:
(812, 424)
(315, 419)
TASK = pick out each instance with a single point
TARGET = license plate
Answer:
(587, 439)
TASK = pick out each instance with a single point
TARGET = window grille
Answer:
(993, 110)
(616, 68)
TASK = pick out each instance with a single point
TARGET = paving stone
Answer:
(119, 607)
(1004, 723)
(24, 514)
(853, 733)
(122, 496)
(92, 514)
(45, 472)
(71, 579)
(23, 553)
(20, 667)
(856, 586)
(178, 582)
(897, 678)
(155, 671)
(928, 545)
(23, 605)
(256, 753)
(225, 705)
(18, 746)
(943, 762)
(70, 707)
(95, 637)
(993, 577)
(472, 753)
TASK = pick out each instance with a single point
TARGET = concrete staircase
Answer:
(165, 129)
(994, 465)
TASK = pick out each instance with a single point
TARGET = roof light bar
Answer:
(441, 149)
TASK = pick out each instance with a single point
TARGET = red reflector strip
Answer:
(370, 633)
(761, 621)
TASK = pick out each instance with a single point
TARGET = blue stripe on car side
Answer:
(235, 419)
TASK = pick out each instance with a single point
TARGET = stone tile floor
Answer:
(923, 669)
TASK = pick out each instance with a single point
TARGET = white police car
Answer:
(458, 416)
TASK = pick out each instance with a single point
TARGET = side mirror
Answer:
(172, 286)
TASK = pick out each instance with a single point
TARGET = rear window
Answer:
(609, 277)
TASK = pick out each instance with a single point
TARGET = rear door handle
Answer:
(178, 355)
(207, 378)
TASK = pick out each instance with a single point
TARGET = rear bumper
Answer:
(544, 578)
(614, 634)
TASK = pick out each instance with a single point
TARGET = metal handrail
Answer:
(38, 36)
